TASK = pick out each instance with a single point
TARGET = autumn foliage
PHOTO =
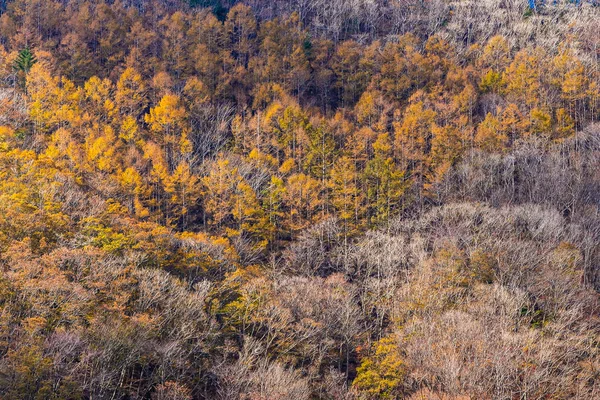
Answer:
(298, 200)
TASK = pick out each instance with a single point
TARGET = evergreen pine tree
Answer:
(25, 60)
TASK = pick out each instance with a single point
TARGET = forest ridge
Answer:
(270, 200)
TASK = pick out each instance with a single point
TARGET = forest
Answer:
(304, 200)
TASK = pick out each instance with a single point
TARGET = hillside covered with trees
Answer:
(272, 200)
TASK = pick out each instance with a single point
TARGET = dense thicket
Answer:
(299, 200)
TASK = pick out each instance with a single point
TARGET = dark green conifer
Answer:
(25, 60)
